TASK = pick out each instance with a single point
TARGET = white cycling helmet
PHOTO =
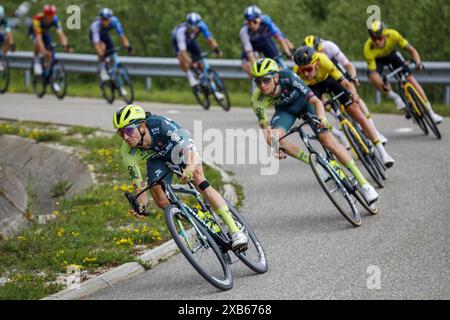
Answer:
(193, 19)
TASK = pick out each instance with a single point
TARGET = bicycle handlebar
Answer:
(388, 76)
(334, 99)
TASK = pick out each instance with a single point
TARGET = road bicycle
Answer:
(415, 104)
(341, 187)
(361, 146)
(201, 235)
(210, 83)
(118, 79)
(54, 76)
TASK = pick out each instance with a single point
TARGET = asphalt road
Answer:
(313, 252)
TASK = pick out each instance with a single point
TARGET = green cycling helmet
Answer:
(264, 67)
(127, 115)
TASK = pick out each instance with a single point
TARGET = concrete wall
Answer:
(28, 172)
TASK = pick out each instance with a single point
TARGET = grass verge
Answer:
(91, 231)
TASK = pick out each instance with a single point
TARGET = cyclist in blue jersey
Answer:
(39, 31)
(5, 33)
(256, 37)
(101, 40)
(185, 45)
(158, 140)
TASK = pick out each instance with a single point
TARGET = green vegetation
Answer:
(92, 231)
(423, 23)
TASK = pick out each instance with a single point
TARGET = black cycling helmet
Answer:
(303, 55)
(376, 29)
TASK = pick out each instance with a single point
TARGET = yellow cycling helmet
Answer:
(376, 29)
(312, 42)
(264, 67)
(127, 115)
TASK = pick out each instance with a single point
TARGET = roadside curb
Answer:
(150, 257)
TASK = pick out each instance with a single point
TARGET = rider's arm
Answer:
(350, 87)
(246, 44)
(124, 41)
(414, 54)
(318, 106)
(276, 32)
(131, 163)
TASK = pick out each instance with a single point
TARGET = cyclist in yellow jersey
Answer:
(322, 76)
(344, 65)
(381, 50)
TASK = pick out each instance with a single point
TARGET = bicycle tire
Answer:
(4, 75)
(220, 87)
(38, 82)
(59, 73)
(259, 262)
(173, 215)
(123, 80)
(425, 114)
(107, 88)
(353, 216)
(364, 158)
(417, 118)
(201, 96)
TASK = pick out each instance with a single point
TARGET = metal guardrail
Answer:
(435, 72)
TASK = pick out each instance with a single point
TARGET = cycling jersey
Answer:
(372, 52)
(97, 28)
(182, 35)
(260, 40)
(39, 27)
(292, 101)
(333, 52)
(4, 26)
(326, 69)
(166, 135)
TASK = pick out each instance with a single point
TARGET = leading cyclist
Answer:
(159, 140)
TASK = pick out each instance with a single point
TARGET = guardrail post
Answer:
(148, 83)
(27, 78)
(377, 97)
(447, 95)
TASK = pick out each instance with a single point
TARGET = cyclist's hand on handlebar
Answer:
(355, 81)
(217, 51)
(419, 66)
(130, 50)
(188, 175)
(324, 124)
(13, 48)
(281, 154)
(142, 212)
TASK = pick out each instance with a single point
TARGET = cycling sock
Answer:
(191, 78)
(225, 215)
(351, 166)
(302, 156)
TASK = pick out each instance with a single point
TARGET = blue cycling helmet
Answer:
(105, 13)
(193, 19)
(252, 13)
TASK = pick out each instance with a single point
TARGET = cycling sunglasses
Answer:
(379, 38)
(264, 80)
(307, 69)
(128, 130)
(253, 21)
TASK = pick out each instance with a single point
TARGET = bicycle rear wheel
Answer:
(254, 257)
(217, 83)
(412, 111)
(426, 117)
(58, 80)
(366, 159)
(4, 74)
(335, 190)
(124, 84)
(107, 88)
(39, 82)
(199, 248)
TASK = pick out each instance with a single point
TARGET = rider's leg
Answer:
(281, 122)
(342, 155)
(366, 112)
(214, 199)
(159, 197)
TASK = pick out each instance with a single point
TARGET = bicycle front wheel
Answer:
(365, 158)
(335, 190)
(199, 248)
(426, 117)
(219, 91)
(254, 257)
(58, 80)
(4, 74)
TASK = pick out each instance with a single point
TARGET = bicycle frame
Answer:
(204, 72)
